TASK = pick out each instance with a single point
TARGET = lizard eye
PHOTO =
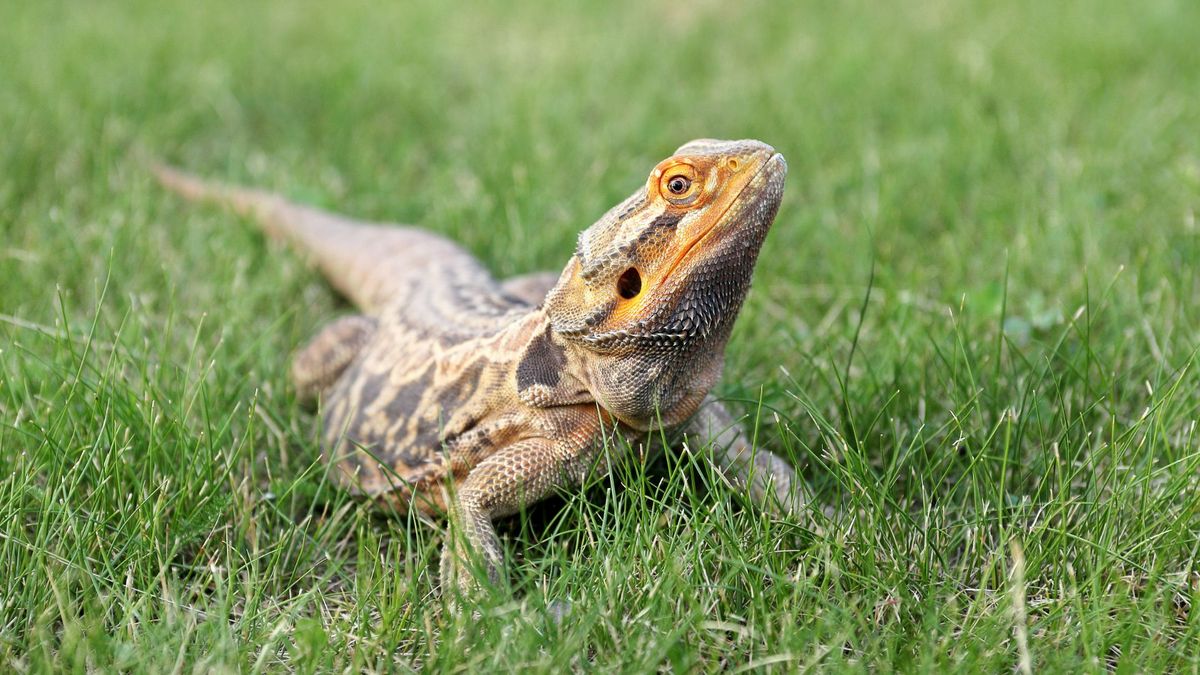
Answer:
(678, 185)
(629, 284)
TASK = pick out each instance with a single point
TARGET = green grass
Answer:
(974, 328)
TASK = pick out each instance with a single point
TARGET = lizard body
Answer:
(455, 393)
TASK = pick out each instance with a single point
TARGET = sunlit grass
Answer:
(974, 328)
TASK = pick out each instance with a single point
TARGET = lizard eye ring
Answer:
(678, 185)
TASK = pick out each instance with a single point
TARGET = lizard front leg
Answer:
(770, 481)
(501, 485)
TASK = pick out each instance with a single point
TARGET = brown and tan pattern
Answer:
(454, 393)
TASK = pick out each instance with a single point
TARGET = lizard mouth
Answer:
(774, 162)
(689, 308)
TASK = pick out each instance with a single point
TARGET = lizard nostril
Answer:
(629, 284)
(733, 164)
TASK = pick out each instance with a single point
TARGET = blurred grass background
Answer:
(974, 328)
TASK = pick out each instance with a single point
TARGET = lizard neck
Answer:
(546, 371)
(549, 371)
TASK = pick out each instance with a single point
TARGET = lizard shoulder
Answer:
(543, 378)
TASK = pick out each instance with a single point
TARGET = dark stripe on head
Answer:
(637, 205)
(667, 220)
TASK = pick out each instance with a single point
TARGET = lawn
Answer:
(974, 329)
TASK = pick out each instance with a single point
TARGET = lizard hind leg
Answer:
(319, 363)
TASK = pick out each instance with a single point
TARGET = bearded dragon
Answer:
(455, 394)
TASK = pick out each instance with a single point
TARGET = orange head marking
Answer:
(693, 192)
(664, 272)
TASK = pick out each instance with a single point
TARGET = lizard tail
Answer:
(342, 248)
(372, 264)
(268, 209)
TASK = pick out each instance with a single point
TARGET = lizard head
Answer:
(648, 300)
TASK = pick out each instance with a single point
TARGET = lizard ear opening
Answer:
(629, 284)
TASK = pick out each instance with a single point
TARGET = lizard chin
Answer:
(647, 394)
